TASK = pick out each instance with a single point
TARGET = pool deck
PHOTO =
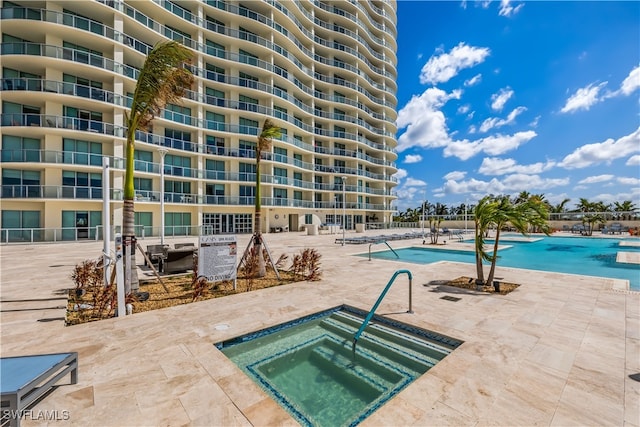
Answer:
(561, 350)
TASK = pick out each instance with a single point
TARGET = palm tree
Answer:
(269, 131)
(500, 211)
(483, 214)
(162, 79)
(626, 206)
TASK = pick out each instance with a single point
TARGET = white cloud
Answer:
(632, 82)
(412, 182)
(445, 66)
(492, 145)
(633, 160)
(425, 123)
(507, 10)
(497, 166)
(455, 175)
(534, 122)
(603, 152)
(628, 180)
(511, 183)
(473, 80)
(597, 179)
(494, 122)
(412, 158)
(499, 99)
(401, 174)
(584, 98)
(464, 109)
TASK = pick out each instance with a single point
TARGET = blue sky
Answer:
(502, 97)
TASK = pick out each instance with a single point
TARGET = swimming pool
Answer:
(308, 366)
(574, 255)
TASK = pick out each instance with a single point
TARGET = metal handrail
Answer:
(375, 306)
(386, 243)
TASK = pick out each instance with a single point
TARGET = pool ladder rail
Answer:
(386, 243)
(375, 306)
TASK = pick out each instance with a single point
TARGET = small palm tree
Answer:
(498, 212)
(162, 79)
(269, 131)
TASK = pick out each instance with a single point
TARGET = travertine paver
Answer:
(560, 350)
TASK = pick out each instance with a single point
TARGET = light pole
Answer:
(344, 206)
(335, 216)
(163, 152)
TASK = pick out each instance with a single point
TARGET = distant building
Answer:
(324, 71)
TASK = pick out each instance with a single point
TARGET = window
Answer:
(177, 165)
(177, 223)
(247, 194)
(76, 118)
(177, 35)
(215, 25)
(247, 80)
(247, 149)
(177, 113)
(143, 223)
(247, 57)
(297, 195)
(280, 196)
(143, 161)
(176, 191)
(215, 97)
(280, 112)
(81, 152)
(248, 126)
(178, 139)
(247, 103)
(247, 171)
(215, 121)
(215, 169)
(214, 223)
(214, 73)
(26, 220)
(20, 183)
(215, 145)
(280, 176)
(142, 184)
(82, 54)
(280, 154)
(19, 149)
(81, 185)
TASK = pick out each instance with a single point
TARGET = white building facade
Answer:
(323, 71)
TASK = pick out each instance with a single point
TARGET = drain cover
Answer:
(450, 298)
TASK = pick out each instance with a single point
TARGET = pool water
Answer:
(308, 366)
(583, 255)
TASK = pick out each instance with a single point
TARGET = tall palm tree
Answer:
(162, 79)
(269, 131)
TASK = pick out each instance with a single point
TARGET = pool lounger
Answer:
(25, 379)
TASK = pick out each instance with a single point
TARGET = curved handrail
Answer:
(386, 243)
(375, 306)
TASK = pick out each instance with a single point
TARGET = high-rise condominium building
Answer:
(322, 71)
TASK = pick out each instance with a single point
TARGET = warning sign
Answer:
(217, 257)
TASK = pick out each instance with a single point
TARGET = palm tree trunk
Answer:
(494, 258)
(129, 241)
(479, 241)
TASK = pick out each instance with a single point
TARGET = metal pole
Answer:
(335, 216)
(163, 152)
(106, 220)
(344, 207)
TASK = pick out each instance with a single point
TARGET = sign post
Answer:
(217, 258)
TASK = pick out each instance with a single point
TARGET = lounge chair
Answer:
(25, 379)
